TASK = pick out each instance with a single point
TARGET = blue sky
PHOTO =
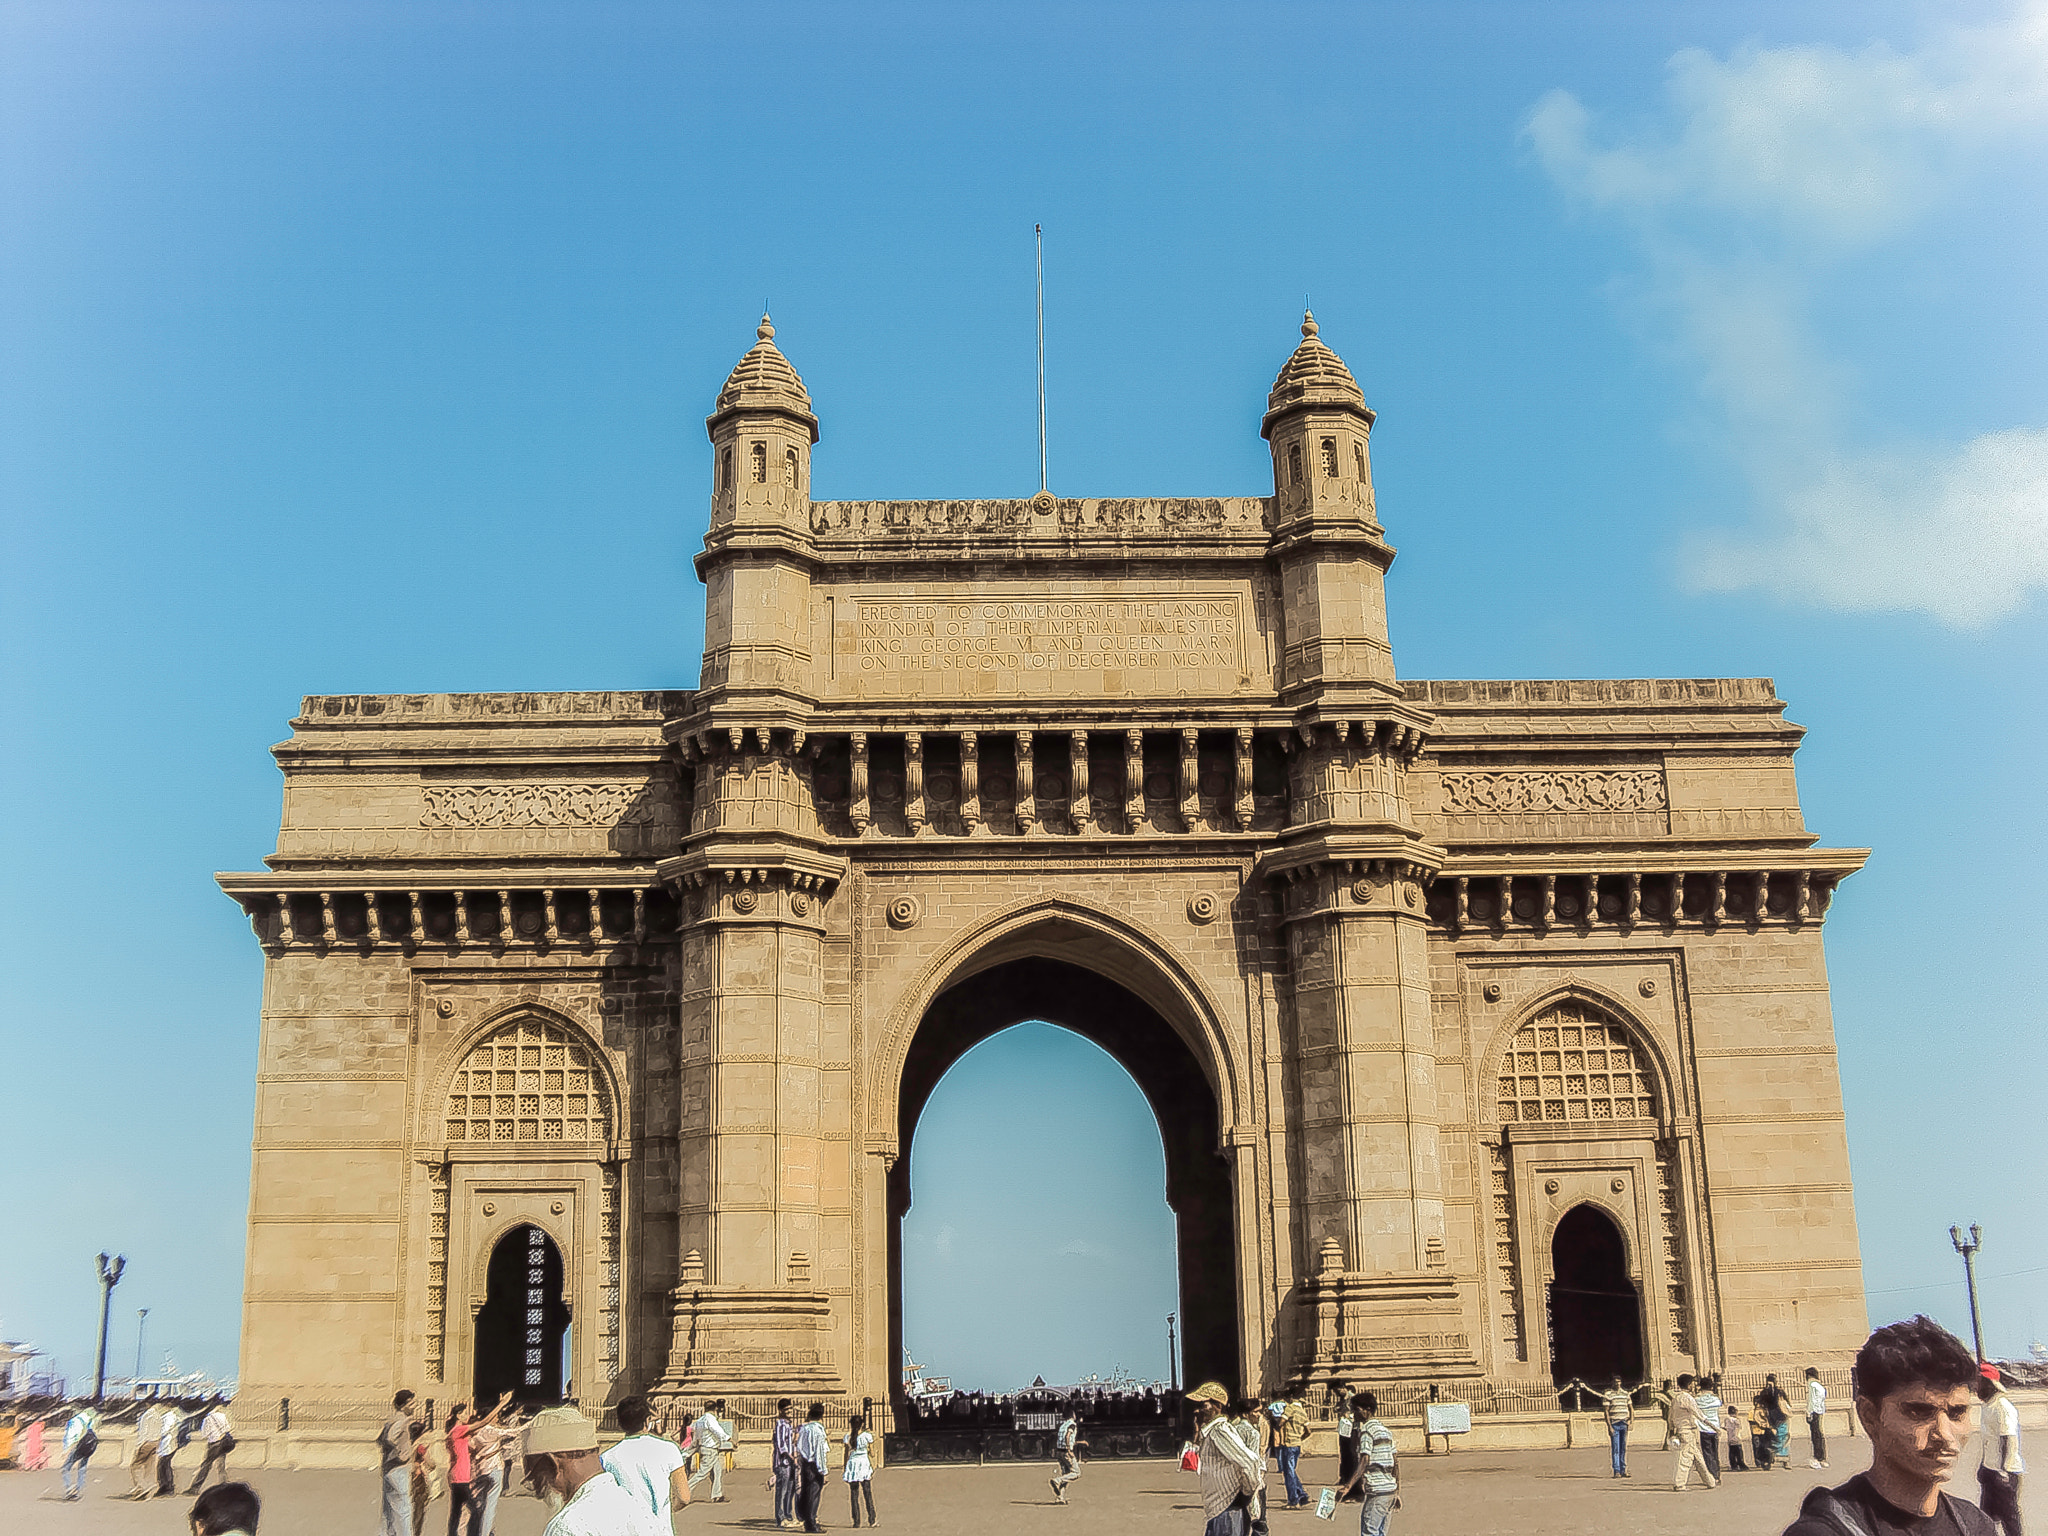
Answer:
(366, 348)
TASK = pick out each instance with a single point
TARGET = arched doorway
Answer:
(1596, 1317)
(1198, 1185)
(523, 1323)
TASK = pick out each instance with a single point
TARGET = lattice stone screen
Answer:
(530, 1081)
(1572, 1062)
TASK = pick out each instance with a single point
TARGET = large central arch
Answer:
(1198, 1182)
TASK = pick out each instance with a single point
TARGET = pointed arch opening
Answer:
(1596, 1313)
(991, 998)
(522, 1329)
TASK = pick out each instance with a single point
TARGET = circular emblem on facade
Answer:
(1617, 1186)
(904, 911)
(1411, 894)
(1567, 906)
(1647, 987)
(1492, 991)
(744, 902)
(445, 1008)
(556, 1208)
(1361, 891)
(1202, 908)
(799, 904)
(529, 923)
(1550, 1186)
(490, 1207)
(1043, 503)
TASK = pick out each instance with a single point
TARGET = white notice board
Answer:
(1447, 1419)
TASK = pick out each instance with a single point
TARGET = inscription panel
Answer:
(1044, 643)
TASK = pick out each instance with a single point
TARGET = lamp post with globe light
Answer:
(110, 1276)
(1968, 1247)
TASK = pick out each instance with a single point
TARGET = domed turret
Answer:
(1320, 426)
(762, 431)
(764, 381)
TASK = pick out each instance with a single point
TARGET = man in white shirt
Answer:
(1706, 1406)
(1231, 1472)
(142, 1461)
(166, 1448)
(713, 1440)
(562, 1468)
(1685, 1429)
(1998, 1478)
(1064, 1451)
(1816, 1405)
(649, 1467)
(220, 1439)
(811, 1465)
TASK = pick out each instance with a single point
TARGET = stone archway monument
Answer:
(1407, 969)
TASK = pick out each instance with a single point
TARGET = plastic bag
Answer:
(1190, 1458)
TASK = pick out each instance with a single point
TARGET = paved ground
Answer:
(1469, 1493)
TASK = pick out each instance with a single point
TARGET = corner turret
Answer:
(1320, 428)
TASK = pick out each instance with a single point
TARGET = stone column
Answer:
(1027, 793)
(1079, 811)
(861, 814)
(970, 783)
(1243, 785)
(1190, 780)
(913, 783)
(1134, 781)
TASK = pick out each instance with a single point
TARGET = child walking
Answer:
(860, 1472)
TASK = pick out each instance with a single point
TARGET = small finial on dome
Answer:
(1308, 323)
(766, 330)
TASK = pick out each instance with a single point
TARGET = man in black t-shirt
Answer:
(1915, 1387)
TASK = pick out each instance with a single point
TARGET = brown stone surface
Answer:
(1419, 967)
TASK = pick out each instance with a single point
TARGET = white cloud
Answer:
(1765, 169)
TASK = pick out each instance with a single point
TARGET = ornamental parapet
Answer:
(1704, 892)
(317, 915)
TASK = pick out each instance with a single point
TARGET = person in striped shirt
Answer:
(1376, 1467)
(1231, 1471)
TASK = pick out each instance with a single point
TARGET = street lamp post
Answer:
(141, 1320)
(110, 1276)
(1968, 1247)
(1172, 1357)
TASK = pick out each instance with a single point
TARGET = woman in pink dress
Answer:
(33, 1457)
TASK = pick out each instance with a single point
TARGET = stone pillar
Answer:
(1079, 811)
(1134, 781)
(1027, 790)
(970, 783)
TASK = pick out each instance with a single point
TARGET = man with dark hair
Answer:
(394, 1450)
(811, 1465)
(1064, 1441)
(1685, 1429)
(649, 1467)
(1998, 1478)
(226, 1509)
(784, 1455)
(1816, 1409)
(1377, 1469)
(1914, 1391)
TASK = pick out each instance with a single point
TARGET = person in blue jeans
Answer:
(1290, 1428)
(81, 1439)
(1619, 1406)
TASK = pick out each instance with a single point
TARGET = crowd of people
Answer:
(633, 1489)
(990, 1410)
(161, 1431)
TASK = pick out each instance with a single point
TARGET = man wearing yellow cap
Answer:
(1231, 1471)
(563, 1470)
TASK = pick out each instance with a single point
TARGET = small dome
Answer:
(764, 381)
(1313, 376)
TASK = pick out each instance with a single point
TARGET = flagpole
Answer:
(1039, 231)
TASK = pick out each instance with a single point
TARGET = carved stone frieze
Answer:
(1545, 793)
(497, 806)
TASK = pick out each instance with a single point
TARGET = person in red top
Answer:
(462, 1424)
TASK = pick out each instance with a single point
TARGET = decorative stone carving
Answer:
(744, 902)
(1544, 793)
(799, 904)
(1201, 908)
(1492, 991)
(497, 806)
(904, 912)
(1361, 891)
(1647, 987)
